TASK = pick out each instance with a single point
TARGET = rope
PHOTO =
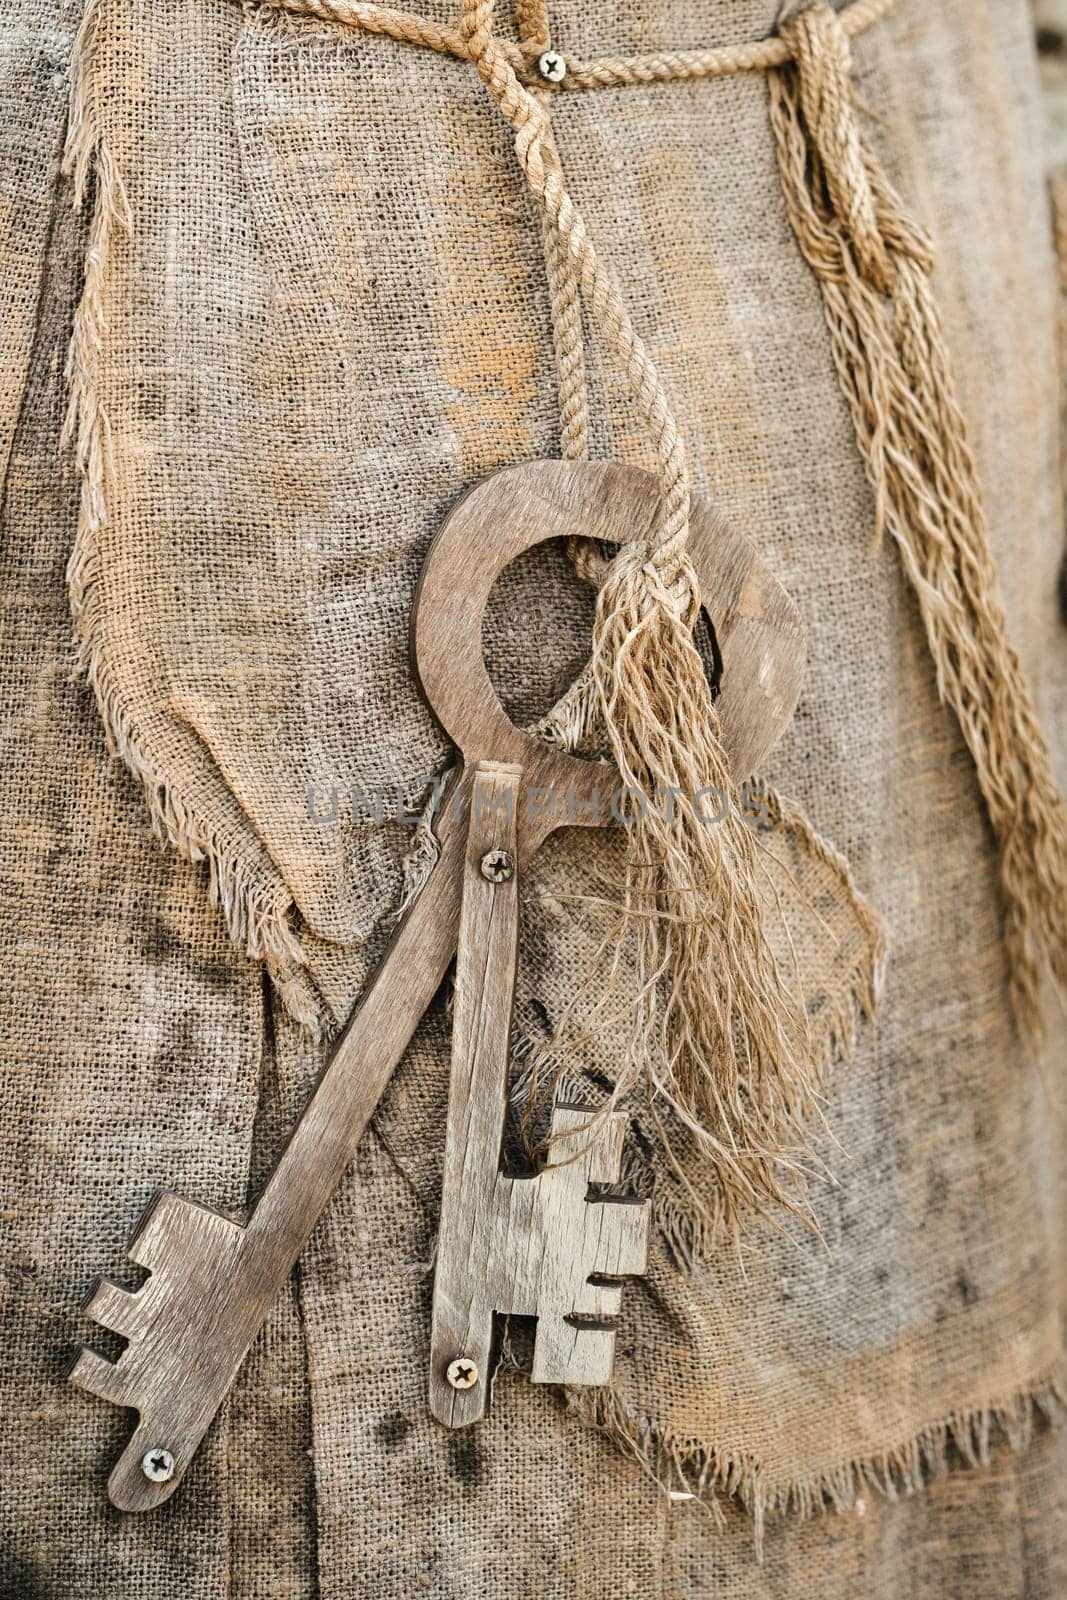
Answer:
(604, 72)
(565, 304)
(536, 152)
(873, 264)
(531, 18)
(728, 1034)
(716, 1028)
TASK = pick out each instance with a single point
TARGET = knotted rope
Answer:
(605, 72)
(873, 264)
(716, 1029)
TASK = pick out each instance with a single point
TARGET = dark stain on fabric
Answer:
(393, 1430)
(217, 975)
(599, 1080)
(19, 1581)
(151, 400)
(465, 1458)
(1062, 587)
(641, 1139)
(51, 77)
(938, 1191)
(1050, 41)
(967, 1291)
(540, 1011)
(21, 1273)
(182, 1042)
(56, 859)
(162, 941)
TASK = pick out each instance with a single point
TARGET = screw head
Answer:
(551, 66)
(462, 1373)
(497, 866)
(157, 1464)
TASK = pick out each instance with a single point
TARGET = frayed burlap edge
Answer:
(691, 1233)
(687, 1468)
(257, 909)
(690, 1237)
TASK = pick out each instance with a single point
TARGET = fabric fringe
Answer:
(873, 264)
(696, 1209)
(690, 1469)
(257, 914)
(691, 1228)
(692, 1218)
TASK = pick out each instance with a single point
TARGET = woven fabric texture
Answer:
(327, 316)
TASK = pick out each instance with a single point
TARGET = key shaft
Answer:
(213, 1279)
(523, 1245)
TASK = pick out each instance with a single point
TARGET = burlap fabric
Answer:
(328, 317)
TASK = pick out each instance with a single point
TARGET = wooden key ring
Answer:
(757, 628)
(212, 1278)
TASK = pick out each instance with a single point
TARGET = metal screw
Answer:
(462, 1373)
(551, 66)
(157, 1464)
(497, 866)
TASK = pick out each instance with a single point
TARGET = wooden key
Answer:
(214, 1278)
(539, 1245)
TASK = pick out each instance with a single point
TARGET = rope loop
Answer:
(823, 59)
(638, 579)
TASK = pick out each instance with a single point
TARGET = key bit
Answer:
(534, 1246)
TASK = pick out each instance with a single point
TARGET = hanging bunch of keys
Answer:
(549, 1245)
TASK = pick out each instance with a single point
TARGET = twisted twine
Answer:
(714, 1028)
(565, 303)
(873, 264)
(605, 72)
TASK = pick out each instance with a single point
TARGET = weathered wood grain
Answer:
(527, 1245)
(757, 627)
